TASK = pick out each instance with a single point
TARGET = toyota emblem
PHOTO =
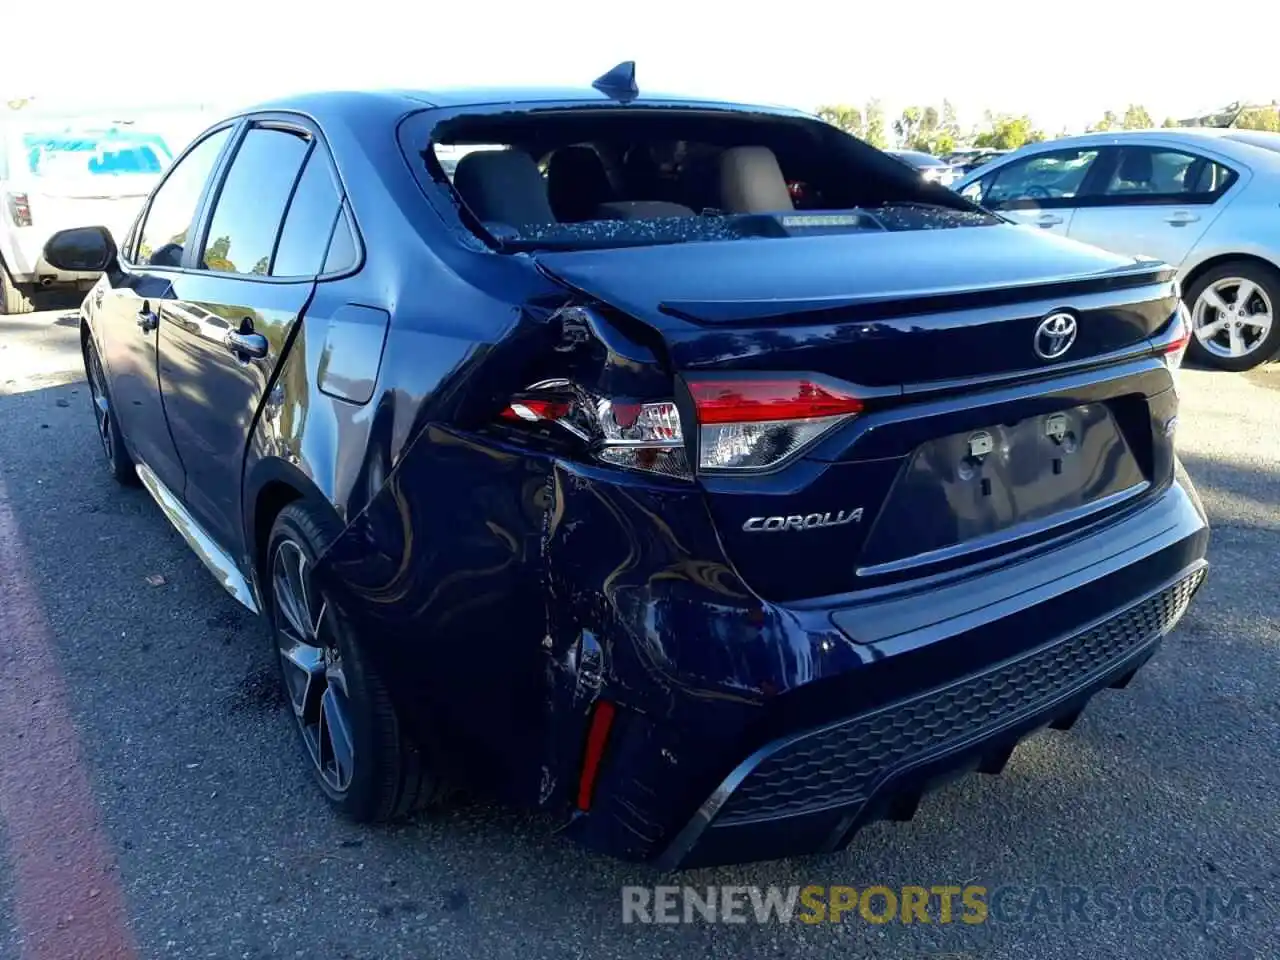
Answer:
(1055, 335)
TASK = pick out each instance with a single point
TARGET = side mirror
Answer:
(81, 249)
(973, 192)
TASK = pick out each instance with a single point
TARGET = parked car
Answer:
(1204, 200)
(717, 534)
(929, 166)
(969, 159)
(54, 177)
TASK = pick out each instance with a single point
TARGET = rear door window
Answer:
(1161, 175)
(304, 238)
(251, 204)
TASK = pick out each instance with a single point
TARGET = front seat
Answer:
(751, 181)
(1136, 171)
(503, 186)
(577, 183)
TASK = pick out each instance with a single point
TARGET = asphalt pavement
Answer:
(220, 847)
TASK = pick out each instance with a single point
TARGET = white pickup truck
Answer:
(54, 178)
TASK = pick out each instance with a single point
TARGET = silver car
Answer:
(1204, 200)
(930, 167)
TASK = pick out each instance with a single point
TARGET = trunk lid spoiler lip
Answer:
(883, 305)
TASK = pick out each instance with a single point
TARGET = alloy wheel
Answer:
(315, 683)
(101, 405)
(1232, 317)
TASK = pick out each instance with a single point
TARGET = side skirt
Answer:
(219, 562)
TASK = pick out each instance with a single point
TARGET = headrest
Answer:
(751, 181)
(1136, 166)
(503, 186)
(577, 183)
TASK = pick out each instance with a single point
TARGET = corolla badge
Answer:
(1055, 335)
(811, 521)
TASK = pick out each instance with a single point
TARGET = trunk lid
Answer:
(875, 309)
(971, 444)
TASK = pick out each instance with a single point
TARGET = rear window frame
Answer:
(415, 134)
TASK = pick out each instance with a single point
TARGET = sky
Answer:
(1063, 63)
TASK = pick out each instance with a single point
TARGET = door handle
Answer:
(1181, 218)
(1049, 220)
(247, 345)
(147, 321)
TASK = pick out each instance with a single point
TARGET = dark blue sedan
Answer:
(691, 470)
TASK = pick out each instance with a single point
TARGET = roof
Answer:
(399, 101)
(1171, 133)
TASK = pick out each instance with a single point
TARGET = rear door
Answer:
(126, 315)
(1041, 190)
(1155, 201)
(249, 279)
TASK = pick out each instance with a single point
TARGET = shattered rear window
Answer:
(592, 178)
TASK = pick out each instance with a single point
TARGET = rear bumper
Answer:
(810, 792)
(749, 731)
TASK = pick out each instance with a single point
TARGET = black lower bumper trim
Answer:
(810, 792)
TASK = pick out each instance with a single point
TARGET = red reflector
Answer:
(597, 737)
(739, 401)
(1183, 339)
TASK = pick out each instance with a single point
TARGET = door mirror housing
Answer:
(81, 249)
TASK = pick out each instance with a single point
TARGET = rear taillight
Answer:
(636, 435)
(1173, 349)
(757, 424)
(743, 423)
(19, 209)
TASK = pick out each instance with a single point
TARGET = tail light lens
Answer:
(1174, 349)
(19, 209)
(758, 424)
(743, 424)
(638, 436)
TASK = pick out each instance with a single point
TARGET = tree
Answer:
(875, 125)
(215, 255)
(1109, 121)
(1137, 118)
(927, 129)
(1260, 118)
(949, 131)
(907, 126)
(848, 119)
(1169, 122)
(1008, 132)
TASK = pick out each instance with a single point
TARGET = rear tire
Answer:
(119, 464)
(361, 757)
(12, 300)
(1239, 325)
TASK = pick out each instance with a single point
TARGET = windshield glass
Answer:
(582, 178)
(92, 155)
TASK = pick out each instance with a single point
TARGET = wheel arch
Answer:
(1209, 263)
(271, 486)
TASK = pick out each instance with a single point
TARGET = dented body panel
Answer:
(505, 580)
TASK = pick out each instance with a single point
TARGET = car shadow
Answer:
(173, 684)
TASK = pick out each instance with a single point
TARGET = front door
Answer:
(133, 300)
(228, 324)
(1039, 190)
